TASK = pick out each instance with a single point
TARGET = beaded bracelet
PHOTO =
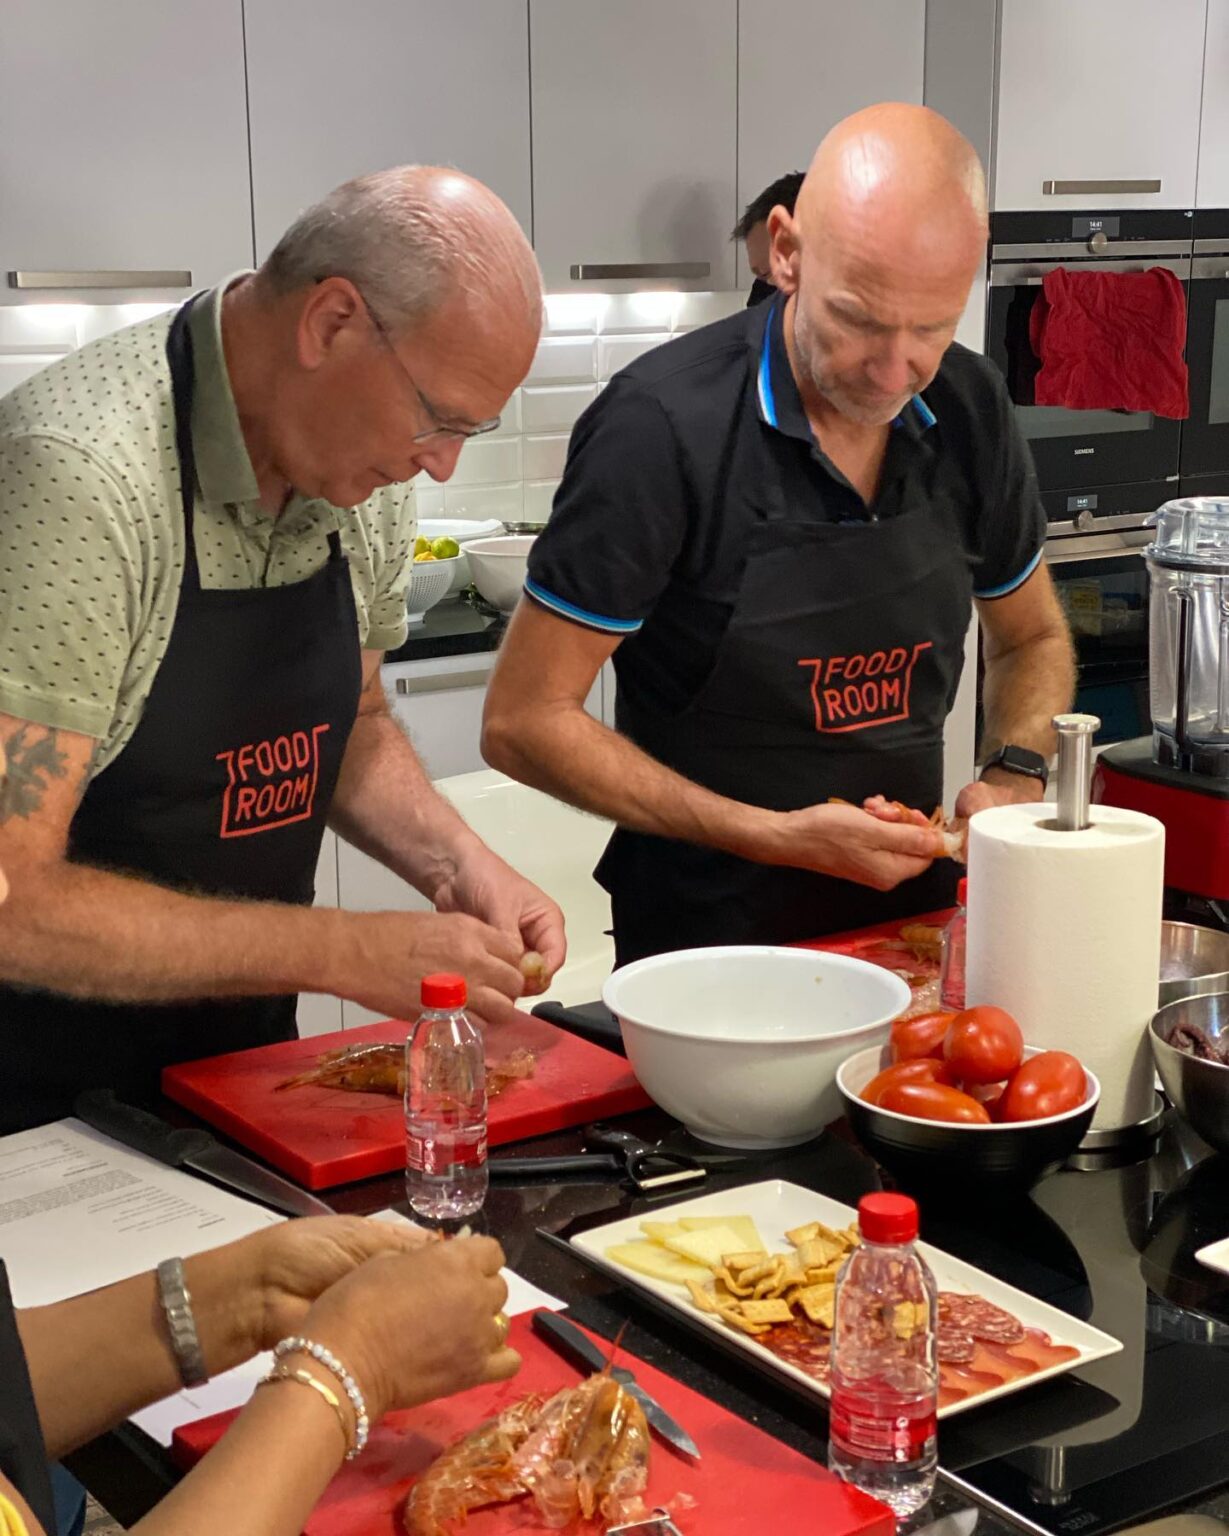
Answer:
(295, 1345)
(285, 1373)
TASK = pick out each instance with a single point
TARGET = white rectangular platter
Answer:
(776, 1207)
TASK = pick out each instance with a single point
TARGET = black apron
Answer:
(23, 1457)
(222, 790)
(834, 679)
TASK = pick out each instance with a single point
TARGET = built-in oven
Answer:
(1098, 469)
(1102, 584)
(1205, 436)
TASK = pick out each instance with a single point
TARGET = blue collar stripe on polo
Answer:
(768, 403)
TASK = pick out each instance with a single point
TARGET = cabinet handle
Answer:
(1097, 188)
(589, 271)
(133, 279)
(440, 682)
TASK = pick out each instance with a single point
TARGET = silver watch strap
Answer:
(181, 1325)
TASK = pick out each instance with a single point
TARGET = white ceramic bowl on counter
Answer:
(742, 1042)
(497, 568)
(464, 530)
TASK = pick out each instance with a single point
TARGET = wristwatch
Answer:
(181, 1325)
(1031, 765)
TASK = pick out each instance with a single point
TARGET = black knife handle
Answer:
(588, 1021)
(566, 1337)
(596, 1163)
(141, 1131)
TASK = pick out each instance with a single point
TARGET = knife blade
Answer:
(960, 1522)
(197, 1149)
(566, 1336)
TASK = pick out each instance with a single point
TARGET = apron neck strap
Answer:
(183, 388)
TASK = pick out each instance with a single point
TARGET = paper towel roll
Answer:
(1065, 933)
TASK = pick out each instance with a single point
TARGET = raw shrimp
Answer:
(381, 1069)
(583, 1452)
(478, 1470)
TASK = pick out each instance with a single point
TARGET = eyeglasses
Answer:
(442, 431)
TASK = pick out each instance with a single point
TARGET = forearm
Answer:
(388, 808)
(1024, 689)
(265, 1475)
(96, 1359)
(562, 750)
(88, 933)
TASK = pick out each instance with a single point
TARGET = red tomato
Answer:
(921, 1036)
(989, 1094)
(934, 1101)
(924, 1069)
(1048, 1084)
(983, 1045)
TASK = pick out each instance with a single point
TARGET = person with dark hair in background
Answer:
(752, 230)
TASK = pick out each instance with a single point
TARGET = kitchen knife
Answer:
(567, 1337)
(199, 1150)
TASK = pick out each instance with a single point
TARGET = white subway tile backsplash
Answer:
(554, 409)
(543, 457)
(564, 362)
(488, 460)
(481, 501)
(510, 417)
(539, 494)
(16, 367)
(428, 498)
(616, 352)
(696, 309)
(574, 313)
(513, 473)
(640, 312)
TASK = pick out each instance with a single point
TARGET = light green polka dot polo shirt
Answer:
(92, 538)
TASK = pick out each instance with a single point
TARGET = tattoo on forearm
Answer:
(30, 767)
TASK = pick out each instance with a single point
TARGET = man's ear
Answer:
(784, 250)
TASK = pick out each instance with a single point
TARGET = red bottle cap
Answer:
(962, 892)
(887, 1218)
(443, 990)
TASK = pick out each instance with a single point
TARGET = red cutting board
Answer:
(326, 1136)
(746, 1483)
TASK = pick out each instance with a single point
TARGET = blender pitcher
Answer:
(1188, 565)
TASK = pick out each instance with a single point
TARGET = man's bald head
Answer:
(412, 240)
(881, 253)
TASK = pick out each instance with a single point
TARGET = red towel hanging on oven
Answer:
(1111, 341)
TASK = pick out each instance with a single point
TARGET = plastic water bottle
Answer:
(951, 984)
(884, 1375)
(445, 1106)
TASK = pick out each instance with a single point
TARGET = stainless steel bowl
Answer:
(1194, 961)
(1198, 1090)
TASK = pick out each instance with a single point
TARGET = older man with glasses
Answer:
(206, 549)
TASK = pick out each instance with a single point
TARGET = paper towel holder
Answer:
(1074, 776)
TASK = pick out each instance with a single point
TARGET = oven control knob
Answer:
(1085, 521)
(1098, 242)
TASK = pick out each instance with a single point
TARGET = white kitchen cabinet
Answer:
(1212, 190)
(123, 147)
(1100, 94)
(404, 81)
(634, 152)
(803, 65)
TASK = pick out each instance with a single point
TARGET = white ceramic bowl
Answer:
(429, 582)
(742, 1042)
(464, 530)
(498, 568)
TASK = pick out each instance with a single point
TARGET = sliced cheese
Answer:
(657, 1262)
(749, 1238)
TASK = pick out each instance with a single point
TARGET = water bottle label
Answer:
(903, 1437)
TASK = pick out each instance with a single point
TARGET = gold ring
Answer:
(504, 1326)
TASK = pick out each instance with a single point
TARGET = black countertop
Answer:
(1143, 1433)
(454, 627)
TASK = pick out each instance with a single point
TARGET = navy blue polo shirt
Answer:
(648, 535)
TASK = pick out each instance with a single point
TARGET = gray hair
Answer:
(410, 239)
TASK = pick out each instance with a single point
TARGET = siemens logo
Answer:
(1079, 451)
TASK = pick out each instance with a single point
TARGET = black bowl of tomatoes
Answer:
(957, 1101)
